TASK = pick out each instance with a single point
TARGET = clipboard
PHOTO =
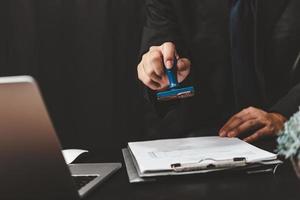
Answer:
(135, 175)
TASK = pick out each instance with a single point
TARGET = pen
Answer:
(212, 164)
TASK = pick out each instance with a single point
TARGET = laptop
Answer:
(32, 165)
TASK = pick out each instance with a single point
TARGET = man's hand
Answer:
(151, 68)
(259, 122)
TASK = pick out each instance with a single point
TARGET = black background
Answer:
(84, 55)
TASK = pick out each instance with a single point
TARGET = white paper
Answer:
(71, 154)
(158, 155)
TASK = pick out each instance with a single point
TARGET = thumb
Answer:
(168, 52)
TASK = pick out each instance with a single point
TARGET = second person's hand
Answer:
(151, 68)
(259, 122)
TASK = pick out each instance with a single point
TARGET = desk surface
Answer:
(282, 185)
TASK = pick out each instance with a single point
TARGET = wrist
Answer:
(279, 117)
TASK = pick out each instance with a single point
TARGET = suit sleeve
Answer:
(161, 26)
(290, 103)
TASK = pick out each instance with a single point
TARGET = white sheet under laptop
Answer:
(158, 155)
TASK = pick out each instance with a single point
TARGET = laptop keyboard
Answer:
(81, 181)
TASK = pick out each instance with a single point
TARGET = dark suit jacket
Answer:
(199, 28)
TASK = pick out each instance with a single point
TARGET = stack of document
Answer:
(192, 155)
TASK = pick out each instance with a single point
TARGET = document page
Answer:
(71, 154)
(159, 155)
